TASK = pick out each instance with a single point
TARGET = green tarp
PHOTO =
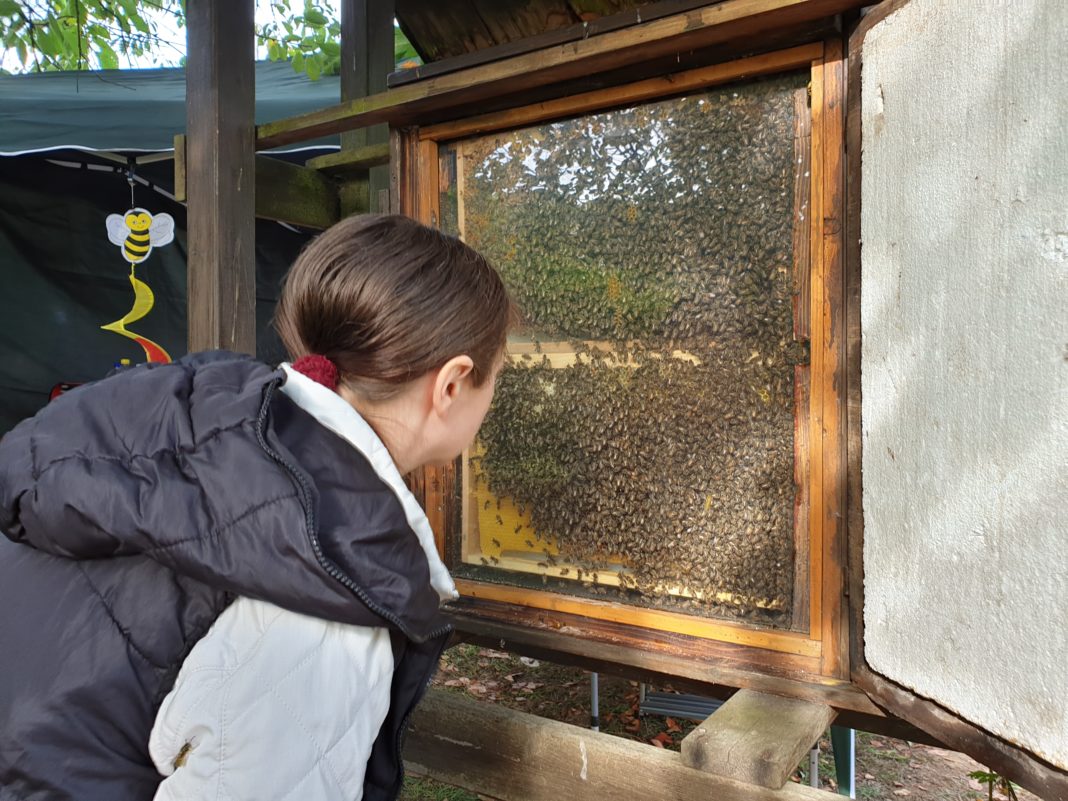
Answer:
(60, 276)
(133, 109)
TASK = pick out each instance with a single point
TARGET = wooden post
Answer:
(516, 756)
(220, 175)
(366, 61)
(756, 738)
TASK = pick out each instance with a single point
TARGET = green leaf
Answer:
(8, 8)
(298, 61)
(314, 67)
(20, 48)
(109, 59)
(331, 48)
(47, 42)
(315, 18)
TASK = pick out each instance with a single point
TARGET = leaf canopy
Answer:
(43, 35)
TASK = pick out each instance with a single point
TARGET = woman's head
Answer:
(402, 310)
(388, 300)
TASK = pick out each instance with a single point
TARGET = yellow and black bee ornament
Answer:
(138, 231)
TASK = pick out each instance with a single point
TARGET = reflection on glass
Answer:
(641, 444)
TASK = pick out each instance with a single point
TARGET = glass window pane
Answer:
(641, 443)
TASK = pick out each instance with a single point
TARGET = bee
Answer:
(496, 543)
(528, 543)
(500, 520)
(483, 560)
(495, 560)
(138, 231)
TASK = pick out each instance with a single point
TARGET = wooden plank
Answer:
(756, 738)
(802, 597)
(354, 196)
(851, 276)
(284, 191)
(721, 630)
(700, 28)
(702, 667)
(829, 309)
(514, 756)
(628, 94)
(220, 147)
(355, 160)
(1041, 778)
(294, 194)
(179, 167)
(366, 59)
(540, 35)
(802, 215)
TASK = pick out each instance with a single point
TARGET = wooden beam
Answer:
(756, 738)
(284, 192)
(294, 194)
(699, 28)
(515, 756)
(542, 39)
(646, 654)
(366, 61)
(621, 96)
(358, 159)
(179, 168)
(1040, 777)
(220, 97)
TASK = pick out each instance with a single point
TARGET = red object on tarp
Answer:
(60, 388)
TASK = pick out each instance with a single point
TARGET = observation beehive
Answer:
(641, 444)
(646, 459)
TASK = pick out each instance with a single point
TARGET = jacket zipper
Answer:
(403, 728)
(313, 527)
(337, 574)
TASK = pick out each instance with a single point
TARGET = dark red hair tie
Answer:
(319, 369)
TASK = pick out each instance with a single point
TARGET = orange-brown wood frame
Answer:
(822, 650)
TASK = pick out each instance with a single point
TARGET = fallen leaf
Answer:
(869, 775)
(672, 725)
(876, 743)
(902, 791)
(490, 654)
(664, 738)
(657, 743)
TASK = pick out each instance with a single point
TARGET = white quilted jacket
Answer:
(271, 704)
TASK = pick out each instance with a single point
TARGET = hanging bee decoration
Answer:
(138, 231)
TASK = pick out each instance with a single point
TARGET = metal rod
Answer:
(814, 766)
(595, 703)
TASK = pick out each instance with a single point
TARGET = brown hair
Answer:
(388, 300)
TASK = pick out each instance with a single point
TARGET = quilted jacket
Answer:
(137, 510)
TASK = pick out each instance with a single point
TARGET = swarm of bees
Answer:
(661, 229)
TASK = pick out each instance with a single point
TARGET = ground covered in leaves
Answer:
(886, 769)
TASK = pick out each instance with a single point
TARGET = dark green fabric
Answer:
(61, 279)
(134, 109)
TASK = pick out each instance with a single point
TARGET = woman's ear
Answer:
(448, 382)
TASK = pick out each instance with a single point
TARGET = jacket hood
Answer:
(216, 470)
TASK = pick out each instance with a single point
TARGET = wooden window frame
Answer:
(821, 653)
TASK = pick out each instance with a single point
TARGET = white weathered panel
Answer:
(965, 360)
